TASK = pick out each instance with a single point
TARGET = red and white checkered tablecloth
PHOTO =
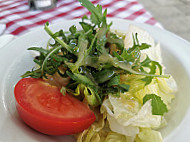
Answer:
(19, 19)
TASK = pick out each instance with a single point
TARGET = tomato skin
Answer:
(45, 109)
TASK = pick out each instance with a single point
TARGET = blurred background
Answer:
(20, 16)
(174, 15)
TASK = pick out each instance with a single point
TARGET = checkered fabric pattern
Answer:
(19, 19)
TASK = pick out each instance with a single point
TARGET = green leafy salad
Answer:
(119, 75)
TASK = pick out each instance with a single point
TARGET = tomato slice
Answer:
(46, 110)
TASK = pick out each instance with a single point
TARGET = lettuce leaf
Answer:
(114, 124)
(116, 137)
(123, 113)
(159, 87)
(134, 81)
(148, 135)
(97, 132)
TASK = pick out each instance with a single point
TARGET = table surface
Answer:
(19, 19)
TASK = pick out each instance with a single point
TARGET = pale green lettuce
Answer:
(126, 116)
(160, 87)
(165, 88)
(97, 132)
(116, 137)
(148, 135)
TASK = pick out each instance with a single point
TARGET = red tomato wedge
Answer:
(46, 110)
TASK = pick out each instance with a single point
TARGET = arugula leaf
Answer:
(158, 106)
(80, 78)
(152, 65)
(86, 27)
(114, 39)
(73, 29)
(61, 34)
(91, 49)
(45, 62)
(144, 46)
(84, 18)
(132, 56)
(114, 81)
(124, 86)
(39, 49)
(82, 44)
(115, 54)
(137, 44)
(33, 74)
(101, 38)
(96, 12)
(98, 19)
(48, 62)
(126, 66)
(104, 75)
(147, 79)
(57, 39)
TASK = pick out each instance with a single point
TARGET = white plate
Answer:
(5, 39)
(15, 60)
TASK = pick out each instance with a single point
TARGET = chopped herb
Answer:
(158, 106)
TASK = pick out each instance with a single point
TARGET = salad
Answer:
(98, 84)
